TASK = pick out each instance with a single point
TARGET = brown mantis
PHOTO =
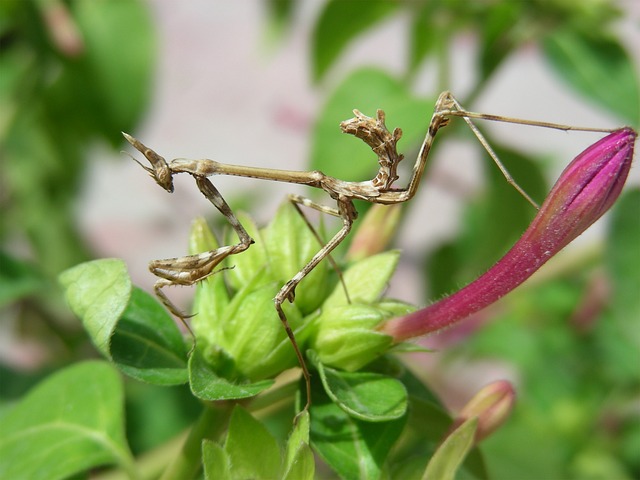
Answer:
(190, 269)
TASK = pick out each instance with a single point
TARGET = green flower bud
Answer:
(346, 337)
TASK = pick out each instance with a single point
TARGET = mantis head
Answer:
(159, 169)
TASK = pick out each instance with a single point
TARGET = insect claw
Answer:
(291, 296)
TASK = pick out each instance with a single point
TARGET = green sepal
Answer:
(215, 462)
(251, 331)
(291, 245)
(299, 461)
(245, 266)
(211, 295)
(365, 280)
(346, 337)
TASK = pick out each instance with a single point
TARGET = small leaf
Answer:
(353, 448)
(280, 14)
(299, 461)
(619, 330)
(424, 36)
(252, 450)
(499, 31)
(623, 262)
(449, 456)
(207, 384)
(18, 279)
(365, 280)
(69, 423)
(599, 68)
(147, 345)
(215, 462)
(98, 293)
(120, 44)
(366, 396)
(340, 22)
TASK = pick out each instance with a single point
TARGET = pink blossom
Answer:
(585, 190)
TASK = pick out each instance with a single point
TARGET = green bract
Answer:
(235, 314)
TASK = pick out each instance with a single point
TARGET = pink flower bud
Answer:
(585, 190)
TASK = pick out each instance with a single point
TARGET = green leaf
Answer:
(623, 263)
(98, 293)
(353, 448)
(215, 462)
(338, 24)
(366, 396)
(207, 384)
(42, 167)
(365, 280)
(252, 450)
(427, 424)
(118, 66)
(367, 89)
(280, 14)
(299, 461)
(147, 345)
(126, 324)
(449, 456)
(618, 332)
(424, 35)
(499, 31)
(70, 423)
(599, 68)
(18, 279)
(157, 414)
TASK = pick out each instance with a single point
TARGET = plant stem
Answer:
(188, 462)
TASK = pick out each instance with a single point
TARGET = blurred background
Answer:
(266, 83)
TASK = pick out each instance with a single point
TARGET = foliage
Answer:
(72, 74)
(571, 337)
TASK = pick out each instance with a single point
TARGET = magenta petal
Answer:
(585, 190)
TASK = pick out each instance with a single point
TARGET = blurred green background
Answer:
(266, 83)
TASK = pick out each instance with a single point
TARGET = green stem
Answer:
(150, 465)
(210, 425)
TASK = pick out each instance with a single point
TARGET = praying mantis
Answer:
(188, 270)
